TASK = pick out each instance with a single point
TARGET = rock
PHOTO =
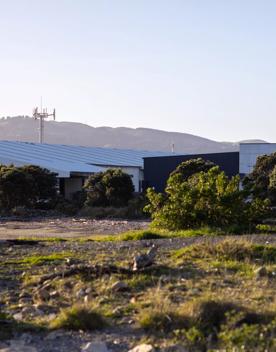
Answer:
(95, 347)
(42, 294)
(54, 294)
(144, 260)
(80, 293)
(88, 290)
(119, 286)
(143, 348)
(18, 316)
(261, 272)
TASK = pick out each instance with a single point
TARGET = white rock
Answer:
(95, 347)
(143, 348)
(18, 316)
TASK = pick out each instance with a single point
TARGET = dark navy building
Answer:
(158, 169)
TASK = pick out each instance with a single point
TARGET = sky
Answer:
(206, 67)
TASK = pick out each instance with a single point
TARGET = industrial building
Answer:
(157, 169)
(73, 164)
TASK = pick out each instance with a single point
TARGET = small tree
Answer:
(109, 188)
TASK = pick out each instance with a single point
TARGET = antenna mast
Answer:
(43, 114)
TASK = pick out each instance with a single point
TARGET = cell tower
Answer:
(42, 115)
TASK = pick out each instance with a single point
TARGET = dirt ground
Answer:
(66, 227)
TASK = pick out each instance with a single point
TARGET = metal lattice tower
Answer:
(42, 115)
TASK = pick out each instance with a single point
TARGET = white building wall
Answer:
(250, 152)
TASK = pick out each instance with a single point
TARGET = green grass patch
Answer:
(142, 281)
(233, 266)
(154, 233)
(44, 259)
(42, 239)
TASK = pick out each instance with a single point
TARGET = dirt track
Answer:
(66, 227)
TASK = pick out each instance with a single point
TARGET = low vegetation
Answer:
(79, 317)
(208, 295)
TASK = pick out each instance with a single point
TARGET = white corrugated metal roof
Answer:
(64, 159)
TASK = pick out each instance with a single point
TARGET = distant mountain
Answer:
(23, 128)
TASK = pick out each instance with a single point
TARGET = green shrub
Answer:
(205, 199)
(79, 317)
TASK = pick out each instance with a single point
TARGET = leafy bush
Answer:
(25, 186)
(206, 198)
(112, 187)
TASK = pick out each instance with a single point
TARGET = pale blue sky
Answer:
(206, 67)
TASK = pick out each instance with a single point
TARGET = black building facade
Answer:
(158, 169)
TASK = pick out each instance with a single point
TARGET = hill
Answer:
(24, 128)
